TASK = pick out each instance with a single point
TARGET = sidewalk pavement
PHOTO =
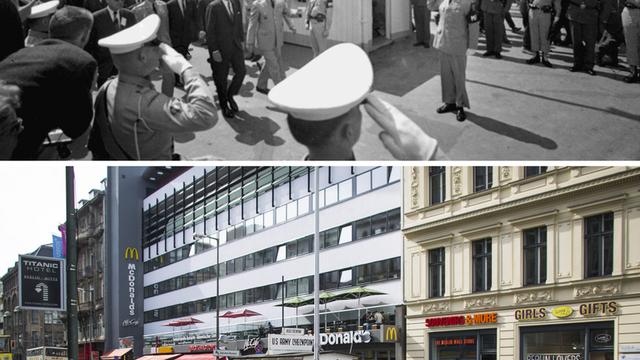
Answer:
(518, 111)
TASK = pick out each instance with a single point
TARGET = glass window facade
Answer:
(328, 238)
(535, 256)
(437, 184)
(598, 236)
(463, 345)
(436, 272)
(482, 265)
(530, 171)
(271, 196)
(378, 271)
(591, 341)
(482, 178)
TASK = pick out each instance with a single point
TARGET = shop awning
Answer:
(197, 357)
(117, 353)
(159, 357)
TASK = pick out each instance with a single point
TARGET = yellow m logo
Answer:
(131, 253)
(391, 334)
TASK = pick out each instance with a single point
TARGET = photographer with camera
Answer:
(540, 13)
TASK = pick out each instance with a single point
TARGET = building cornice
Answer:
(620, 178)
(588, 290)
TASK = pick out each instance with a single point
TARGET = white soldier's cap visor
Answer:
(134, 37)
(44, 9)
(328, 86)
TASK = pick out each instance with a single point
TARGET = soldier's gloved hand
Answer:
(401, 136)
(174, 60)
(325, 33)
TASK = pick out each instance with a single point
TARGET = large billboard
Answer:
(41, 283)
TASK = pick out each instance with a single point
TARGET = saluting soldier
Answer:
(133, 121)
(38, 22)
(329, 126)
(319, 15)
(585, 15)
(159, 7)
(631, 24)
(540, 12)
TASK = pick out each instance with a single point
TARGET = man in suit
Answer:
(266, 22)
(56, 78)
(421, 17)
(107, 22)
(183, 20)
(585, 15)
(225, 41)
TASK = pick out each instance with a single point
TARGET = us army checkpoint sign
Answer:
(41, 283)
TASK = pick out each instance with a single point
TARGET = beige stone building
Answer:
(522, 263)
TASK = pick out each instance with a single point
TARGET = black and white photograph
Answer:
(320, 80)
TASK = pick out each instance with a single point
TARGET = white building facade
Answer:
(522, 263)
(263, 218)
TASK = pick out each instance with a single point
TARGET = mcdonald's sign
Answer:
(131, 253)
(390, 334)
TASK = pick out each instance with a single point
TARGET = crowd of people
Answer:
(87, 70)
(575, 23)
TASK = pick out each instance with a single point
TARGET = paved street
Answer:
(518, 111)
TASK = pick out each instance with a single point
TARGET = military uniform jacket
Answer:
(588, 11)
(316, 7)
(454, 35)
(266, 24)
(134, 121)
(158, 7)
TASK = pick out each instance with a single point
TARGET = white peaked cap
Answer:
(134, 37)
(44, 9)
(328, 86)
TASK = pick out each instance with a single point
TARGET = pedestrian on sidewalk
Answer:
(457, 31)
(540, 12)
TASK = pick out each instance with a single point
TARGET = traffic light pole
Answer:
(72, 274)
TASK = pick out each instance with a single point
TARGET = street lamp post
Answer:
(204, 236)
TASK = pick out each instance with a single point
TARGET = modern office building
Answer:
(29, 328)
(90, 238)
(263, 219)
(522, 263)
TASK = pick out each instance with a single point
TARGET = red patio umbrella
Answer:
(183, 322)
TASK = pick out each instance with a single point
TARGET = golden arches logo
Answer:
(131, 253)
(391, 334)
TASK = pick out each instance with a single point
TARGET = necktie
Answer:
(230, 7)
(273, 4)
(116, 23)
